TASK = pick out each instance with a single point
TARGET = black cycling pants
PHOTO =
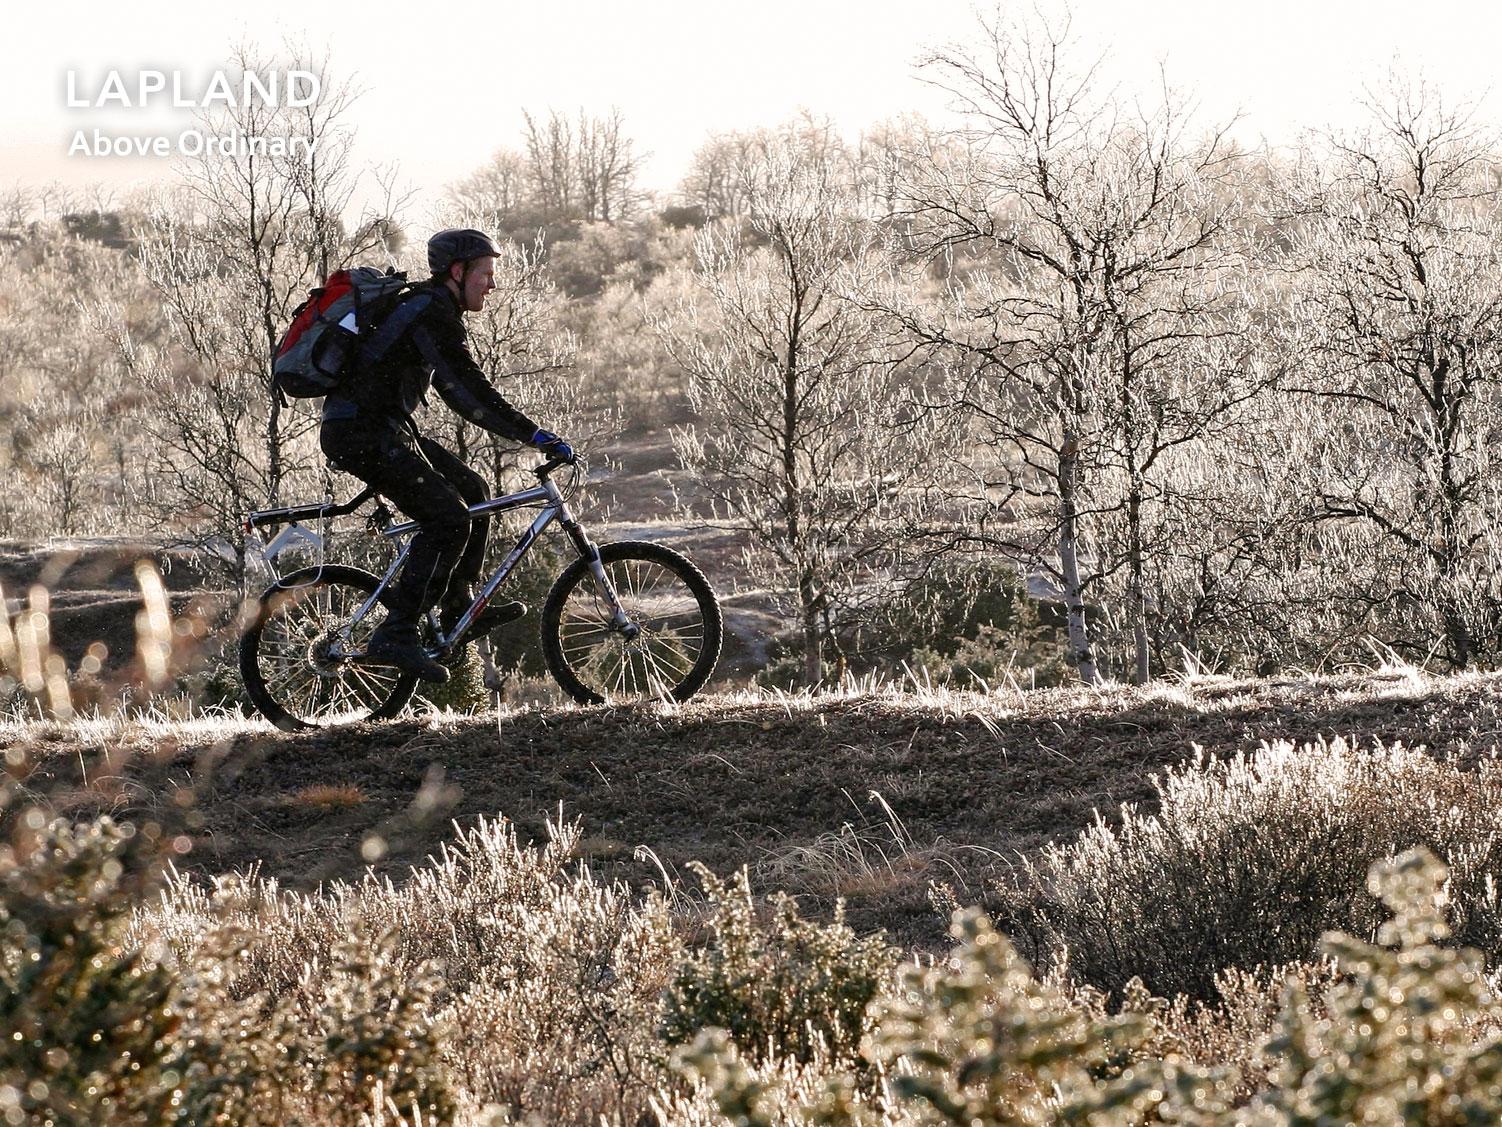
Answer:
(432, 487)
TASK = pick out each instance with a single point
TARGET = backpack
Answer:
(320, 348)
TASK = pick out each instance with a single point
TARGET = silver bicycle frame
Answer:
(553, 508)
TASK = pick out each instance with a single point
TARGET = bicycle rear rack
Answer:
(269, 518)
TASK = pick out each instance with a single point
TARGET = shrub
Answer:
(974, 1039)
(88, 1018)
(787, 988)
(492, 976)
(1403, 1031)
(982, 628)
(464, 692)
(1409, 1032)
(995, 656)
(978, 1039)
(1249, 860)
(358, 1038)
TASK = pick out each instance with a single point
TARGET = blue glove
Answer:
(553, 446)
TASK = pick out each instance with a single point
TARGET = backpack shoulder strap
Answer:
(394, 326)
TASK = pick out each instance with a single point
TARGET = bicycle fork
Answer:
(590, 554)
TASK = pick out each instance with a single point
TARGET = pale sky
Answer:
(444, 92)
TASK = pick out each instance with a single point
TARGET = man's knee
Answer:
(471, 486)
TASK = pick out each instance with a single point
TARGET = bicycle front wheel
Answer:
(679, 627)
(293, 657)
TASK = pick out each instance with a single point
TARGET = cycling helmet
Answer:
(458, 244)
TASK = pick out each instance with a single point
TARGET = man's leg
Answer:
(474, 489)
(395, 467)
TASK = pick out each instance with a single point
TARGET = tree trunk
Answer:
(813, 637)
(792, 493)
(274, 453)
(1081, 655)
(1136, 597)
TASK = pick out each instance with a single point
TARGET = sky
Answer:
(440, 95)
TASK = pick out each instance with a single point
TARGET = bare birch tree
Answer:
(1085, 246)
(715, 176)
(585, 169)
(1396, 320)
(494, 190)
(730, 167)
(229, 254)
(70, 443)
(607, 168)
(804, 439)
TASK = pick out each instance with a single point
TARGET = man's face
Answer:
(475, 283)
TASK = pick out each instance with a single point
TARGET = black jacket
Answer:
(433, 351)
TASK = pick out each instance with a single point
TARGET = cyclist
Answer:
(368, 431)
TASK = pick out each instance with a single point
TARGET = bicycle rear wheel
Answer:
(291, 656)
(663, 594)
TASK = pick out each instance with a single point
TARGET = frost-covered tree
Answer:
(806, 437)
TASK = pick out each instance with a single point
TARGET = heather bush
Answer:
(973, 1039)
(492, 979)
(357, 1039)
(1248, 861)
(789, 987)
(502, 983)
(1408, 1032)
(464, 692)
(978, 1039)
(530, 988)
(1402, 1031)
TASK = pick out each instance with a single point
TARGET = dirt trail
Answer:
(784, 786)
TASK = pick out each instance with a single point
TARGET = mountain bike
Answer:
(625, 621)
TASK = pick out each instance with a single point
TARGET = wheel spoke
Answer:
(670, 620)
(375, 684)
(678, 662)
(659, 685)
(293, 666)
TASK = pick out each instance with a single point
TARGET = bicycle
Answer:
(629, 620)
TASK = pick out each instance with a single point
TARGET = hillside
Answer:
(784, 785)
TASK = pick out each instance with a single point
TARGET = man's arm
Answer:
(463, 385)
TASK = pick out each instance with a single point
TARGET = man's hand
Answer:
(553, 446)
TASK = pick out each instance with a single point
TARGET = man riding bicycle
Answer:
(368, 432)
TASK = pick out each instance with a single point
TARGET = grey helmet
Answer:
(458, 244)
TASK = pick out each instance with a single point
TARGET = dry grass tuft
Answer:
(329, 796)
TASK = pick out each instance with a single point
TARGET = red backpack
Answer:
(320, 348)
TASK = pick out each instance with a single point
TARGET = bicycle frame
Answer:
(554, 507)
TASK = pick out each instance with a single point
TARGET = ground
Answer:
(872, 795)
(869, 795)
